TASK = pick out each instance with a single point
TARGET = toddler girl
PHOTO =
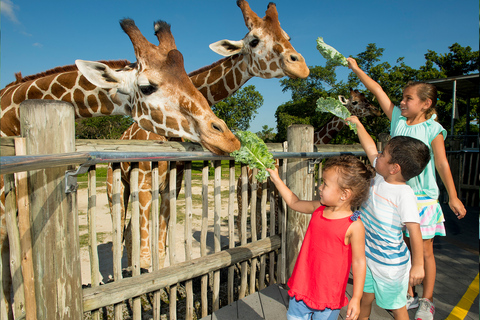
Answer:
(334, 242)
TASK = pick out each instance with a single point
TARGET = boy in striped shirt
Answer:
(391, 207)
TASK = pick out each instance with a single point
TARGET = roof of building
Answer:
(467, 86)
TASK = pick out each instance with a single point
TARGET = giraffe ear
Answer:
(227, 47)
(98, 73)
(342, 100)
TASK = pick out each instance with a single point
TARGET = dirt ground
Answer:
(104, 229)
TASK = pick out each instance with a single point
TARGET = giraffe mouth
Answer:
(215, 150)
(225, 149)
(291, 75)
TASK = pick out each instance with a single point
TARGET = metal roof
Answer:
(465, 86)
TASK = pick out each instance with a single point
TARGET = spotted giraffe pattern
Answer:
(264, 52)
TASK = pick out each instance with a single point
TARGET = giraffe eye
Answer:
(354, 103)
(148, 90)
(254, 43)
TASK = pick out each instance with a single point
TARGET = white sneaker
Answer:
(412, 302)
(426, 310)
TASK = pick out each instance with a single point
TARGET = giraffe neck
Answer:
(69, 86)
(328, 131)
(222, 78)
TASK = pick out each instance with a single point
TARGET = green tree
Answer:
(240, 108)
(267, 134)
(111, 127)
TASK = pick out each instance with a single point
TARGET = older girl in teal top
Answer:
(415, 117)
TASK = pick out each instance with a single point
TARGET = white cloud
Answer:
(38, 45)
(8, 9)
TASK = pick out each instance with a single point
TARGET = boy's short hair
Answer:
(412, 155)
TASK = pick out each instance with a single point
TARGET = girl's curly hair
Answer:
(353, 175)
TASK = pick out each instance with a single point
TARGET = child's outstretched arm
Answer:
(365, 140)
(417, 272)
(373, 87)
(290, 198)
(356, 233)
(443, 168)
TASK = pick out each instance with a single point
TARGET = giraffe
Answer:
(155, 91)
(264, 52)
(357, 104)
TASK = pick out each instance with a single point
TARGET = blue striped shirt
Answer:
(384, 214)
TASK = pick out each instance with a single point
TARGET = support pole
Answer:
(49, 128)
(300, 139)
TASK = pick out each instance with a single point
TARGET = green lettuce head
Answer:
(335, 107)
(254, 153)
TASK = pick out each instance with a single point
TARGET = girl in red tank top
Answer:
(334, 242)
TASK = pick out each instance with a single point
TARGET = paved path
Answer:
(455, 293)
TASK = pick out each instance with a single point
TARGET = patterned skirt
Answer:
(431, 217)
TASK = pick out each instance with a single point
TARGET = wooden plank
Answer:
(7, 146)
(117, 232)
(231, 228)
(172, 223)
(188, 236)
(154, 243)
(300, 139)
(203, 236)
(243, 231)
(123, 289)
(14, 246)
(217, 208)
(54, 216)
(92, 233)
(135, 231)
(24, 227)
(88, 145)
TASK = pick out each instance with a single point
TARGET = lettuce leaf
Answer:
(335, 107)
(331, 53)
(254, 153)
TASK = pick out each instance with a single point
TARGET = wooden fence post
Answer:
(49, 128)
(300, 139)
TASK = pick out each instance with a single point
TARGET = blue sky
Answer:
(40, 35)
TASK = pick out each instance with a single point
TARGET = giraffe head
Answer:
(158, 94)
(358, 104)
(266, 44)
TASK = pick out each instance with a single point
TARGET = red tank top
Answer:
(321, 271)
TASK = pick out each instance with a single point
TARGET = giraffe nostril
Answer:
(294, 58)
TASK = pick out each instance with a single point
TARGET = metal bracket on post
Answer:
(312, 163)
(71, 184)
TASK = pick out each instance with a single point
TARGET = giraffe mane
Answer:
(202, 69)
(116, 64)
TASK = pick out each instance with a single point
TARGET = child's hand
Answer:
(353, 309)
(353, 119)
(457, 207)
(274, 176)
(417, 273)
(352, 63)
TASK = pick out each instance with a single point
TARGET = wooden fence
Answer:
(47, 282)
